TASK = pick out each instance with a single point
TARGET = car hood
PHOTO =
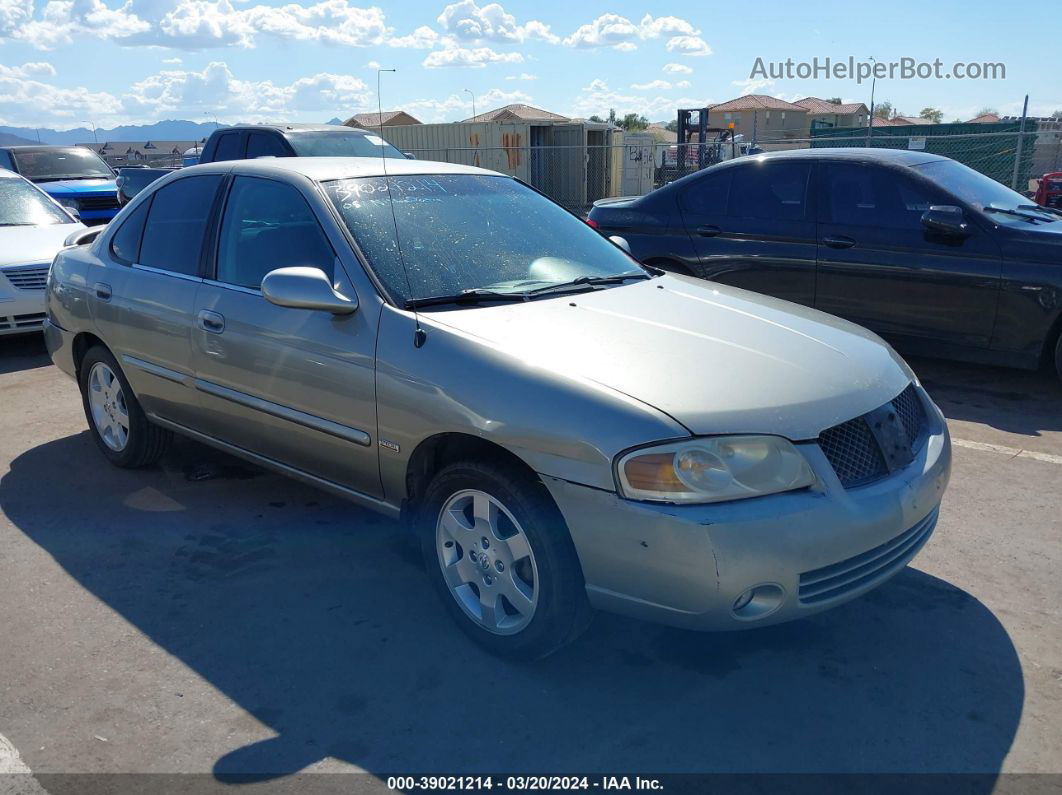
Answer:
(21, 245)
(716, 359)
(79, 187)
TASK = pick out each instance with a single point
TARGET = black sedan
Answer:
(933, 255)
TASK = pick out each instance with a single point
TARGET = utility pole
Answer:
(469, 92)
(870, 118)
(94, 138)
(1021, 144)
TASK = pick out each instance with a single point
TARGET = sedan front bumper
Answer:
(800, 552)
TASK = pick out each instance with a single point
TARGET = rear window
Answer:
(341, 143)
(773, 191)
(176, 224)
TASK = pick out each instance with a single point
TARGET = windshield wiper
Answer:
(590, 281)
(470, 296)
(1040, 208)
(1017, 213)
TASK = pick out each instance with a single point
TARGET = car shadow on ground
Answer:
(1017, 401)
(22, 352)
(315, 617)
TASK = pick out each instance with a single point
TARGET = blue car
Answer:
(74, 176)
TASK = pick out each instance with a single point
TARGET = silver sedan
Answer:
(562, 428)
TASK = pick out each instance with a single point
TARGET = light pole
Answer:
(94, 138)
(215, 116)
(873, 85)
(469, 92)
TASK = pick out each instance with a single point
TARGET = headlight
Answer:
(70, 204)
(713, 469)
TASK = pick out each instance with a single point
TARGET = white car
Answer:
(33, 228)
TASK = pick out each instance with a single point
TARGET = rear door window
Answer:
(176, 224)
(229, 147)
(268, 225)
(773, 191)
(265, 145)
(708, 194)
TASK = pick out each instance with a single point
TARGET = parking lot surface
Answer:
(206, 617)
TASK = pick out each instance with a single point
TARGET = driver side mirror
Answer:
(305, 288)
(945, 219)
(621, 242)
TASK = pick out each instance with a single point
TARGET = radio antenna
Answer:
(419, 335)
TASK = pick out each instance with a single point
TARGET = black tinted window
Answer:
(264, 145)
(862, 195)
(268, 225)
(708, 194)
(775, 191)
(228, 147)
(176, 224)
(125, 245)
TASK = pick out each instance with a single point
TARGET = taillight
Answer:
(592, 223)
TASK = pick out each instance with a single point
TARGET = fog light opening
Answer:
(758, 602)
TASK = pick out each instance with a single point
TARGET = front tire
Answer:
(117, 423)
(499, 554)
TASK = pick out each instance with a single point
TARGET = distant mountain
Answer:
(169, 130)
(7, 139)
(336, 120)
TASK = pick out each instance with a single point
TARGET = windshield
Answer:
(21, 204)
(463, 232)
(52, 163)
(341, 143)
(979, 191)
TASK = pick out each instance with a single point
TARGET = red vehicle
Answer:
(1049, 194)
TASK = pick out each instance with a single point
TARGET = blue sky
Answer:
(65, 62)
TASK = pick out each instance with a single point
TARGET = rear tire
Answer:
(499, 554)
(123, 433)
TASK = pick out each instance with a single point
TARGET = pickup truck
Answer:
(248, 141)
(74, 176)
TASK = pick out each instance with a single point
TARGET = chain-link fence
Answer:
(577, 176)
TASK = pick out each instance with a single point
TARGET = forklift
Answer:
(698, 146)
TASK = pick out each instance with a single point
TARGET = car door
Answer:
(881, 268)
(294, 385)
(144, 293)
(753, 227)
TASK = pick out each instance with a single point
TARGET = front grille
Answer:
(853, 450)
(28, 322)
(97, 202)
(912, 413)
(840, 579)
(30, 277)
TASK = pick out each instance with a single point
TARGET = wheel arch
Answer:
(1051, 342)
(83, 342)
(442, 449)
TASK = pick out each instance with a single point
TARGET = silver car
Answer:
(563, 428)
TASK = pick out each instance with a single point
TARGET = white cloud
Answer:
(752, 85)
(522, 76)
(597, 84)
(475, 58)
(470, 22)
(216, 88)
(172, 61)
(677, 69)
(197, 24)
(688, 45)
(596, 99)
(25, 101)
(652, 85)
(423, 38)
(373, 65)
(613, 30)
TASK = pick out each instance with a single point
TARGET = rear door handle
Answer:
(211, 321)
(103, 291)
(839, 241)
(708, 231)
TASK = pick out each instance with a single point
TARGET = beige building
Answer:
(759, 117)
(823, 114)
(389, 118)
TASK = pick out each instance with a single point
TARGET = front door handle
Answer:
(708, 231)
(839, 241)
(103, 291)
(211, 321)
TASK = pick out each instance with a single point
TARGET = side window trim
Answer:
(198, 275)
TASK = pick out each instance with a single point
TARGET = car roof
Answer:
(286, 128)
(322, 169)
(41, 147)
(868, 154)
